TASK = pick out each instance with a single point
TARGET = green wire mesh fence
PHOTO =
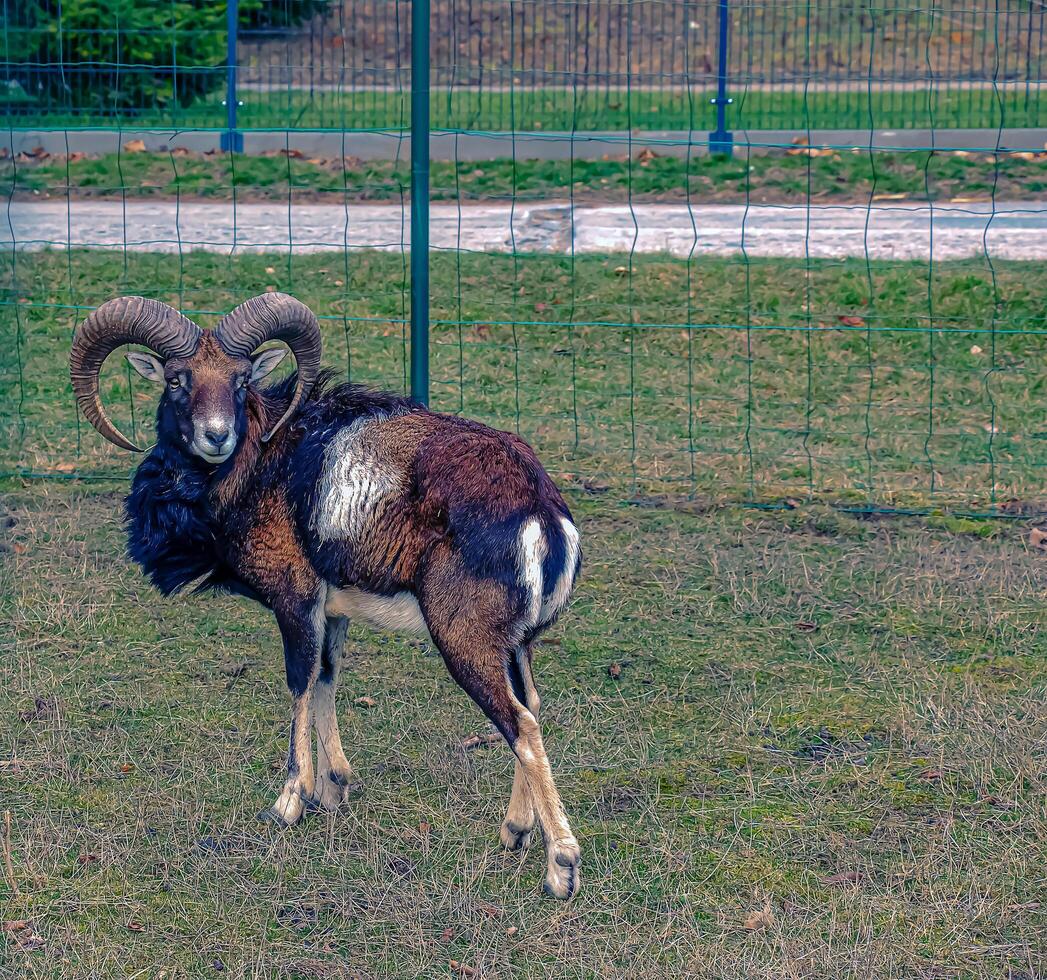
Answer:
(849, 307)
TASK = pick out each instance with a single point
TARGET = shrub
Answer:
(115, 56)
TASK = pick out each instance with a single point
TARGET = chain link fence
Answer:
(851, 306)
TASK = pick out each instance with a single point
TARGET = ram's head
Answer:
(206, 374)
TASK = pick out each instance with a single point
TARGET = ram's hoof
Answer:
(563, 875)
(286, 811)
(268, 816)
(515, 838)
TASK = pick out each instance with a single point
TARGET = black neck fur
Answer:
(173, 532)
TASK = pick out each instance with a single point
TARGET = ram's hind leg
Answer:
(470, 622)
(333, 772)
(519, 817)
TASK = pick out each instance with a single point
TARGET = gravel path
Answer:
(1017, 230)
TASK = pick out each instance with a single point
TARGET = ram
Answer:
(327, 503)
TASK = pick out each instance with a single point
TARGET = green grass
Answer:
(563, 109)
(842, 720)
(860, 383)
(778, 177)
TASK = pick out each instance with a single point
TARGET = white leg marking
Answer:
(563, 856)
(301, 784)
(519, 818)
(333, 772)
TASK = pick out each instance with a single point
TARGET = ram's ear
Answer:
(149, 367)
(262, 364)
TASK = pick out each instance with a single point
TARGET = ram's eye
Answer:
(241, 381)
(174, 382)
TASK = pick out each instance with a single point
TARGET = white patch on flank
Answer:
(399, 613)
(355, 481)
(560, 593)
(532, 553)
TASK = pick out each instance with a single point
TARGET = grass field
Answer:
(792, 745)
(771, 177)
(561, 109)
(887, 383)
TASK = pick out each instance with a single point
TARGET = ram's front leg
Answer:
(333, 772)
(302, 625)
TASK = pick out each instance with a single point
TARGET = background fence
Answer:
(528, 64)
(852, 306)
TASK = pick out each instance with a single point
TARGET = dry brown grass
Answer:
(832, 730)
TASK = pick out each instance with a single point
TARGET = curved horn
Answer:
(126, 320)
(275, 316)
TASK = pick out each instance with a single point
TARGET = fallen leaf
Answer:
(890, 197)
(135, 146)
(805, 626)
(87, 858)
(647, 154)
(475, 741)
(424, 828)
(929, 775)
(465, 971)
(1038, 539)
(293, 154)
(975, 349)
(65, 467)
(615, 670)
(843, 878)
(760, 918)
(511, 931)
(621, 270)
(23, 933)
(365, 702)
(269, 270)
(447, 935)
(851, 321)
(18, 548)
(135, 926)
(800, 141)
(126, 767)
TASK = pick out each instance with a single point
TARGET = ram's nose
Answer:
(216, 436)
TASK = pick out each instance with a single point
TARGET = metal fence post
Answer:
(420, 200)
(722, 141)
(231, 141)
